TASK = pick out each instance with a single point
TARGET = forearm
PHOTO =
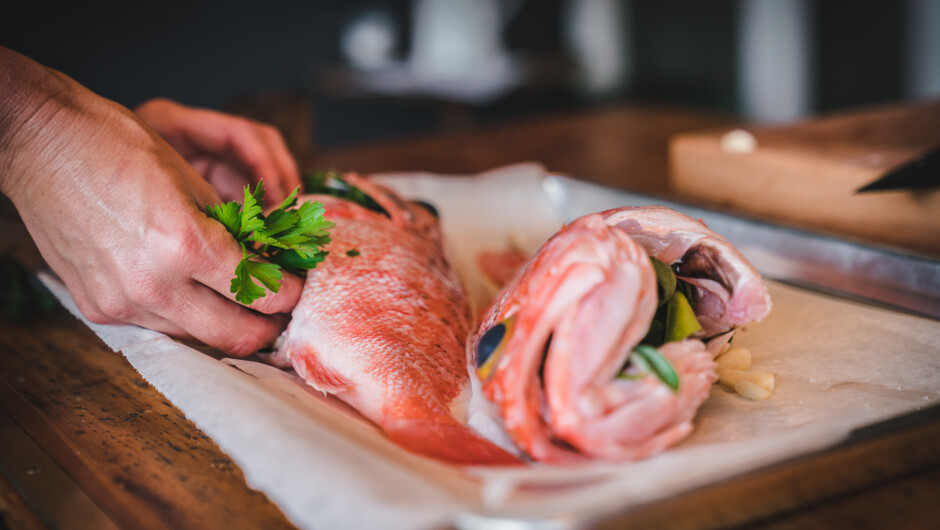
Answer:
(30, 95)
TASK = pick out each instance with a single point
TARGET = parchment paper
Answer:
(839, 365)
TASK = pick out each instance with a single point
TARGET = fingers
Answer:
(248, 144)
(283, 159)
(257, 148)
(214, 320)
(220, 255)
(98, 313)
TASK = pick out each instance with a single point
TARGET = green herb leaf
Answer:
(686, 289)
(665, 279)
(636, 368)
(290, 201)
(310, 231)
(353, 252)
(288, 237)
(251, 219)
(657, 365)
(246, 291)
(229, 214)
(296, 260)
(680, 319)
(274, 224)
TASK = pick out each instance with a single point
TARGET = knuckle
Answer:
(247, 128)
(97, 318)
(91, 312)
(271, 132)
(182, 248)
(115, 306)
(148, 292)
(266, 304)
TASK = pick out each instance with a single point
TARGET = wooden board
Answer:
(806, 174)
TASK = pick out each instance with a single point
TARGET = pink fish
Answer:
(382, 324)
(552, 350)
(730, 291)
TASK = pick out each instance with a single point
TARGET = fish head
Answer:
(557, 350)
(564, 326)
(587, 290)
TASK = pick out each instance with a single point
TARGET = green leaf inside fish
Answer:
(665, 279)
(680, 319)
(646, 359)
(674, 321)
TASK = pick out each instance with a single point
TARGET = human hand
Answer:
(226, 150)
(118, 214)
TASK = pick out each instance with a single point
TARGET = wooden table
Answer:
(86, 442)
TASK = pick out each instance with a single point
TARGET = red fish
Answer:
(729, 291)
(382, 324)
(551, 350)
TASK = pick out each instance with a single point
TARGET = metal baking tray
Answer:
(820, 262)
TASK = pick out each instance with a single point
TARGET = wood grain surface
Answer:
(805, 174)
(142, 464)
(117, 438)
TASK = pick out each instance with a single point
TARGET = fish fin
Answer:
(315, 373)
(451, 442)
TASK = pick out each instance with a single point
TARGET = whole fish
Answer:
(382, 323)
(553, 352)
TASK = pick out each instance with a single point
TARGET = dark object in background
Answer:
(290, 112)
(921, 173)
(21, 294)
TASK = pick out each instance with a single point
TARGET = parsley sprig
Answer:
(290, 237)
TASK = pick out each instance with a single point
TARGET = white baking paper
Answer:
(839, 365)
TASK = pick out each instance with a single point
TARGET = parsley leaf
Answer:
(289, 237)
(246, 291)
(250, 220)
(228, 215)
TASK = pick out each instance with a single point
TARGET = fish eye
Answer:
(491, 346)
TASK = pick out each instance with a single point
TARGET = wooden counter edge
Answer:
(870, 456)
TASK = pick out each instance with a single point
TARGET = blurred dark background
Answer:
(382, 69)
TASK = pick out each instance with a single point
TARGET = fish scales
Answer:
(384, 328)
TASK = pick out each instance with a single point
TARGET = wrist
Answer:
(30, 96)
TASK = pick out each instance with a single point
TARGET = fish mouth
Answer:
(703, 262)
(728, 290)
